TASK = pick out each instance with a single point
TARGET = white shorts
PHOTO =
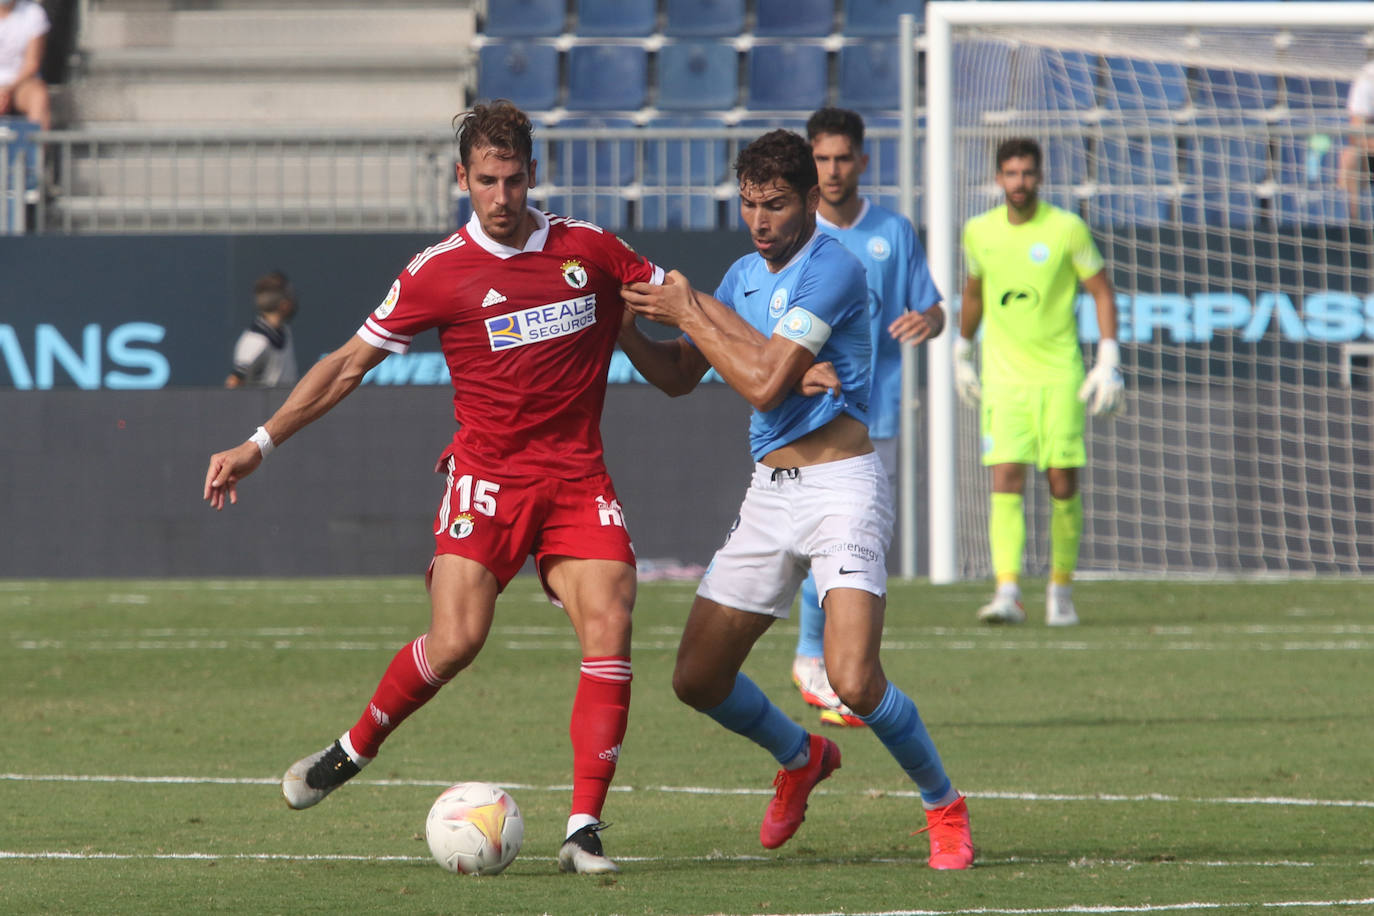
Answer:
(834, 519)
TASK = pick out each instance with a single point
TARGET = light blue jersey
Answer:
(823, 285)
(898, 280)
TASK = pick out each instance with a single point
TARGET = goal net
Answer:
(1202, 144)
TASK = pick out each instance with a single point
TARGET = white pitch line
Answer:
(1106, 798)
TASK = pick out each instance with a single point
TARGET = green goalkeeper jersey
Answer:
(1030, 274)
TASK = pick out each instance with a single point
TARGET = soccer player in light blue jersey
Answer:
(903, 308)
(788, 328)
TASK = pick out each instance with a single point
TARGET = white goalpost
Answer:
(1202, 143)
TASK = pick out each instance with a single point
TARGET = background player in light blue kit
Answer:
(819, 496)
(903, 308)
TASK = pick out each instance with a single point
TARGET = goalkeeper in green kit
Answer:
(1025, 261)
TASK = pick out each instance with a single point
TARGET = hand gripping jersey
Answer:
(820, 300)
(898, 281)
(527, 334)
(1030, 275)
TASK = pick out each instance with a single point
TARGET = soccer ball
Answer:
(474, 828)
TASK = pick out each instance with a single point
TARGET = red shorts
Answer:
(499, 520)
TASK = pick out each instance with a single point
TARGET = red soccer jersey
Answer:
(527, 334)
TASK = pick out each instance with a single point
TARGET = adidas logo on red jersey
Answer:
(492, 298)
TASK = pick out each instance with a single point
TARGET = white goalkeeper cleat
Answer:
(313, 777)
(1059, 611)
(1003, 608)
(582, 853)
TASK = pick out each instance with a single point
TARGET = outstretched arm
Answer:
(673, 366)
(762, 369)
(327, 383)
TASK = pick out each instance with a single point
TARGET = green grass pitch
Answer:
(1191, 747)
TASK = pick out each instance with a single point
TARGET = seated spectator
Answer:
(264, 356)
(23, 32)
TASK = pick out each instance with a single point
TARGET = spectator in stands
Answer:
(1025, 261)
(23, 32)
(264, 356)
(903, 308)
(1357, 159)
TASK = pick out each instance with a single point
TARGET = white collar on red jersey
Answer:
(534, 243)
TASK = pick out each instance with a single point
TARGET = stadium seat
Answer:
(525, 18)
(1145, 88)
(879, 17)
(1137, 179)
(1066, 162)
(698, 164)
(1234, 93)
(703, 18)
(1221, 174)
(593, 162)
(1315, 101)
(1321, 207)
(697, 75)
(1063, 82)
(870, 76)
(794, 18)
(787, 77)
(668, 210)
(1311, 161)
(526, 72)
(607, 77)
(883, 152)
(608, 211)
(981, 79)
(616, 18)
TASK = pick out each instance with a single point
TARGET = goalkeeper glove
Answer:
(1103, 390)
(965, 373)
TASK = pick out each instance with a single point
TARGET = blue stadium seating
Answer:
(1138, 178)
(1066, 161)
(1064, 82)
(703, 18)
(1144, 88)
(879, 17)
(697, 75)
(884, 153)
(616, 18)
(526, 72)
(1223, 171)
(794, 18)
(790, 76)
(1235, 93)
(525, 18)
(607, 77)
(1312, 161)
(870, 76)
(676, 163)
(609, 211)
(607, 164)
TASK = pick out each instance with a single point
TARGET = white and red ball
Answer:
(474, 828)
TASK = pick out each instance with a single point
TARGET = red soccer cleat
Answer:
(787, 810)
(951, 843)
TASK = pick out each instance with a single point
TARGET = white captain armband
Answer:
(804, 328)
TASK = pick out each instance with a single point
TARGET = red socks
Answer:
(599, 716)
(408, 684)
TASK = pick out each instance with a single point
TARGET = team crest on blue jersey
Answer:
(541, 323)
(575, 273)
(878, 248)
(1040, 253)
(778, 304)
(797, 325)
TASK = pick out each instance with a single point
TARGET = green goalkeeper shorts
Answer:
(1033, 424)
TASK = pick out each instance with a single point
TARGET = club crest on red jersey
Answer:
(461, 527)
(574, 273)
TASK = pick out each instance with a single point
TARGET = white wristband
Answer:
(262, 440)
(963, 349)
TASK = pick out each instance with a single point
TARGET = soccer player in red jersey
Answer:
(527, 307)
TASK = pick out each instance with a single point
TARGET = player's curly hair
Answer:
(1016, 147)
(499, 125)
(778, 155)
(839, 121)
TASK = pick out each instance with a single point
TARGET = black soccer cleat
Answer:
(311, 778)
(582, 852)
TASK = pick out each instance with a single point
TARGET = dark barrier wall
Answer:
(109, 483)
